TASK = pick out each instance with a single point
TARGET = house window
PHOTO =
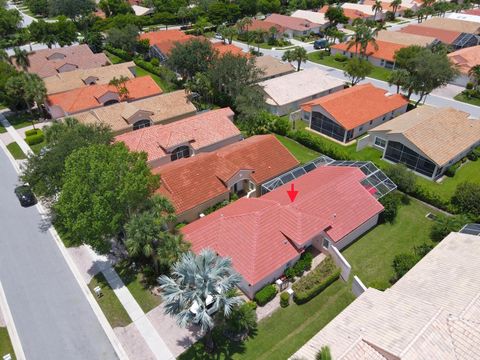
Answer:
(380, 142)
(141, 124)
(360, 128)
(382, 62)
(371, 122)
(326, 243)
(306, 116)
(384, 118)
(180, 152)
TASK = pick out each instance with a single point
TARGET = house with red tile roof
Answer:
(294, 26)
(50, 62)
(264, 236)
(204, 132)
(351, 112)
(196, 183)
(266, 26)
(223, 49)
(162, 42)
(383, 55)
(465, 59)
(447, 37)
(94, 96)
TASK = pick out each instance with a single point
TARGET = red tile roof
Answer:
(472, 12)
(358, 105)
(445, 36)
(228, 48)
(191, 182)
(85, 98)
(165, 40)
(466, 58)
(264, 25)
(198, 131)
(355, 14)
(291, 23)
(262, 235)
(385, 51)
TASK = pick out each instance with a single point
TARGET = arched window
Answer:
(141, 124)
(110, 102)
(180, 152)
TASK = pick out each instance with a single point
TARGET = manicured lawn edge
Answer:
(16, 151)
(464, 99)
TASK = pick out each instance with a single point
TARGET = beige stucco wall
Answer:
(355, 234)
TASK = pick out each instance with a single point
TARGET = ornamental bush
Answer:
(402, 263)
(340, 57)
(266, 294)
(32, 132)
(284, 299)
(319, 144)
(122, 54)
(35, 139)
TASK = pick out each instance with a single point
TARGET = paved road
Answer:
(53, 318)
(26, 19)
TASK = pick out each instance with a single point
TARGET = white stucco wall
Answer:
(355, 234)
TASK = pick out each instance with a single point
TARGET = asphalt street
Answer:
(53, 317)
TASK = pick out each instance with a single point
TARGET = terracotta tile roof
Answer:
(79, 56)
(358, 105)
(355, 14)
(190, 182)
(365, 9)
(76, 79)
(466, 58)
(86, 98)
(199, 131)
(440, 133)
(165, 40)
(265, 25)
(472, 11)
(228, 48)
(262, 234)
(460, 26)
(398, 37)
(386, 50)
(272, 67)
(164, 108)
(445, 36)
(291, 23)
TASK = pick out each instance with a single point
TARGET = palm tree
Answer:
(120, 84)
(242, 321)
(200, 25)
(243, 24)
(395, 4)
(474, 74)
(259, 37)
(398, 78)
(21, 58)
(377, 7)
(198, 289)
(324, 354)
(299, 55)
(273, 31)
(35, 93)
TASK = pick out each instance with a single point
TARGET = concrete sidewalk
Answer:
(15, 135)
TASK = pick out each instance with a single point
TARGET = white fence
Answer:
(358, 288)
(341, 262)
(363, 142)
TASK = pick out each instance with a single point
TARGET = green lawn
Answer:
(114, 59)
(5, 343)
(472, 101)
(142, 294)
(371, 256)
(21, 120)
(111, 306)
(16, 151)
(378, 72)
(166, 86)
(37, 147)
(302, 153)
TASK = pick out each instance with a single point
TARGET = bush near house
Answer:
(122, 54)
(316, 281)
(31, 132)
(319, 144)
(391, 202)
(34, 137)
(302, 265)
(266, 294)
(284, 299)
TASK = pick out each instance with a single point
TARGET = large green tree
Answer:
(182, 61)
(466, 199)
(71, 8)
(9, 22)
(124, 38)
(299, 55)
(357, 69)
(25, 90)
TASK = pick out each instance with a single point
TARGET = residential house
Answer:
(265, 26)
(402, 38)
(464, 17)
(85, 77)
(453, 38)
(223, 49)
(194, 184)
(264, 236)
(204, 132)
(387, 5)
(382, 55)
(272, 67)
(50, 62)
(427, 140)
(432, 312)
(128, 116)
(312, 16)
(94, 96)
(294, 26)
(365, 12)
(351, 112)
(163, 41)
(286, 93)
(142, 10)
(465, 59)
(461, 26)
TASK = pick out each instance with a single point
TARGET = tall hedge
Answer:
(266, 294)
(317, 143)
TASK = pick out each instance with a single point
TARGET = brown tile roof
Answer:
(199, 131)
(358, 105)
(460, 26)
(386, 50)
(165, 108)
(76, 79)
(272, 67)
(466, 58)
(79, 56)
(165, 40)
(291, 23)
(190, 182)
(440, 133)
(445, 36)
(398, 37)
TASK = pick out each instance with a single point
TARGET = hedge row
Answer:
(318, 144)
(266, 294)
(122, 54)
(161, 71)
(302, 265)
(34, 138)
(316, 281)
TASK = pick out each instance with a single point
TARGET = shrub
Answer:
(340, 57)
(469, 86)
(444, 225)
(155, 62)
(405, 199)
(402, 177)
(323, 354)
(316, 281)
(266, 294)
(389, 16)
(32, 132)
(35, 139)
(466, 199)
(402, 263)
(450, 172)
(408, 13)
(289, 273)
(122, 54)
(284, 299)
(473, 155)
(422, 250)
(281, 125)
(391, 202)
(161, 71)
(302, 265)
(319, 144)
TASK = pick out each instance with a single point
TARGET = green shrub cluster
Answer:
(340, 57)
(266, 294)
(163, 72)
(122, 54)
(391, 203)
(284, 299)
(220, 205)
(34, 137)
(450, 172)
(302, 265)
(31, 132)
(474, 154)
(403, 262)
(316, 281)
(319, 144)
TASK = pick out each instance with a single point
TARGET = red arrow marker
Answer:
(292, 193)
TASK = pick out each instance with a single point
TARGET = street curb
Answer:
(11, 328)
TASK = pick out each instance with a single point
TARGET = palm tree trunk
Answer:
(299, 64)
(209, 343)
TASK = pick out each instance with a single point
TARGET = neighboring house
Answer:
(383, 55)
(472, 12)
(50, 62)
(265, 26)
(285, 94)
(142, 11)
(387, 5)
(85, 77)
(312, 16)
(294, 26)
(464, 17)
(455, 39)
(272, 67)
(223, 49)
(365, 10)
(163, 41)
(86, 98)
(461, 26)
(204, 132)
(128, 116)
(427, 140)
(351, 112)
(264, 236)
(465, 59)
(430, 313)
(401, 38)
(199, 182)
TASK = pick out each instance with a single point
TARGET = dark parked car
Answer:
(25, 195)
(320, 44)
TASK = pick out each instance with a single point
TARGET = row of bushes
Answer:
(163, 72)
(34, 136)
(316, 281)
(265, 295)
(319, 144)
(472, 156)
(302, 265)
(221, 204)
(403, 262)
(122, 54)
